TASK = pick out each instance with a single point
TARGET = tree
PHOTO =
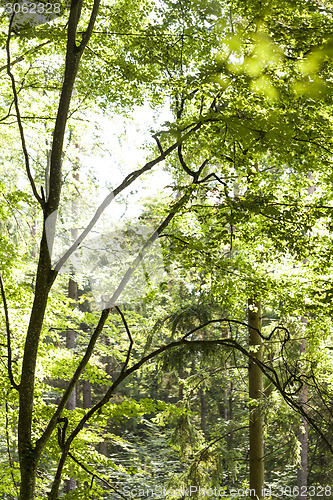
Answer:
(228, 125)
(30, 451)
(256, 437)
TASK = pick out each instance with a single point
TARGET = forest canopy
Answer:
(166, 215)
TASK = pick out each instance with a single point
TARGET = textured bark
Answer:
(303, 436)
(70, 484)
(302, 471)
(29, 453)
(203, 410)
(86, 391)
(256, 424)
(229, 407)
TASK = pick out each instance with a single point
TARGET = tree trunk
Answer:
(28, 453)
(228, 402)
(70, 484)
(256, 423)
(203, 410)
(303, 436)
(302, 471)
(86, 391)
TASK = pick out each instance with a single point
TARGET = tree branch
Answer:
(158, 143)
(129, 336)
(20, 58)
(9, 345)
(126, 182)
(93, 474)
(78, 372)
(269, 372)
(18, 116)
(87, 34)
(183, 163)
(11, 465)
(209, 445)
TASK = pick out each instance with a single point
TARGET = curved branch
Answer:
(93, 474)
(9, 344)
(269, 372)
(129, 336)
(78, 372)
(87, 34)
(18, 117)
(21, 58)
(126, 182)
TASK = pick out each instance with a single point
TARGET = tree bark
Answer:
(70, 484)
(302, 471)
(303, 436)
(86, 391)
(203, 410)
(256, 423)
(29, 454)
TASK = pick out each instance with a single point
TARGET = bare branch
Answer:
(21, 58)
(9, 345)
(126, 182)
(11, 465)
(214, 441)
(127, 276)
(93, 474)
(183, 163)
(129, 336)
(87, 34)
(158, 144)
(18, 116)
(78, 372)
(194, 175)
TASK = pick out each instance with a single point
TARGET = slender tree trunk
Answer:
(256, 423)
(180, 385)
(28, 453)
(302, 471)
(229, 407)
(86, 391)
(303, 436)
(70, 484)
(203, 410)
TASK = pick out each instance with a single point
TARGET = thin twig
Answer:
(93, 474)
(9, 452)
(129, 336)
(158, 144)
(9, 345)
(18, 116)
(209, 445)
(30, 51)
